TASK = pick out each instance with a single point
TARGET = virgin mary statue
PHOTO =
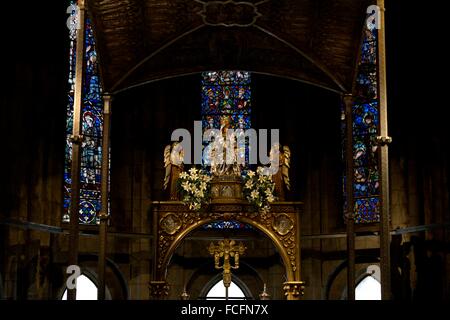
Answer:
(224, 151)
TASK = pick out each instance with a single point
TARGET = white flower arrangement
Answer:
(259, 188)
(194, 188)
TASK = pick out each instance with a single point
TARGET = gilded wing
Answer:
(167, 165)
(177, 154)
(285, 166)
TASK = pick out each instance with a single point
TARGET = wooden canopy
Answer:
(314, 41)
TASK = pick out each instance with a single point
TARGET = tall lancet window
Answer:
(366, 184)
(226, 96)
(92, 129)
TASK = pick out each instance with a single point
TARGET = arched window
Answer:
(86, 289)
(365, 112)
(368, 289)
(92, 126)
(218, 292)
(226, 94)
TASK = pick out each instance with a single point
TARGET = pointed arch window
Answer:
(365, 114)
(218, 292)
(92, 128)
(86, 289)
(368, 289)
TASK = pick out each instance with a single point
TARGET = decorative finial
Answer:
(264, 295)
(185, 295)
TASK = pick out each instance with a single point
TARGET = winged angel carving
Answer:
(281, 177)
(173, 163)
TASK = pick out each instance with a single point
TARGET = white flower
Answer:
(259, 170)
(251, 173)
(183, 175)
(203, 186)
(194, 176)
(249, 184)
(200, 194)
(270, 198)
(268, 192)
(193, 171)
(254, 194)
(186, 185)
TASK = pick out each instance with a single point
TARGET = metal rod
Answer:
(350, 227)
(76, 145)
(226, 293)
(384, 164)
(104, 215)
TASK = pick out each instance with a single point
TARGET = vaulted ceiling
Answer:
(314, 41)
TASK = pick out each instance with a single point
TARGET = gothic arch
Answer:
(343, 266)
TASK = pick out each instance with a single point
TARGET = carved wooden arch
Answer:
(281, 250)
(172, 223)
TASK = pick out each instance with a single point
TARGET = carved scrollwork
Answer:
(294, 289)
(229, 13)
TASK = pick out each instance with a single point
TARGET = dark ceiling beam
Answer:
(150, 56)
(342, 89)
(309, 57)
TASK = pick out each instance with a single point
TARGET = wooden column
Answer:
(154, 276)
(104, 214)
(76, 140)
(349, 214)
(383, 141)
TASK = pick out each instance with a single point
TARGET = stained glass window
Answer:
(227, 225)
(92, 130)
(226, 94)
(365, 112)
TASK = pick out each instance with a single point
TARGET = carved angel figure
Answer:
(173, 162)
(281, 177)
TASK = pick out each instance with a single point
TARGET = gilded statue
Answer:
(281, 177)
(224, 151)
(173, 163)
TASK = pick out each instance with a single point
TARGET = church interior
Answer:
(348, 85)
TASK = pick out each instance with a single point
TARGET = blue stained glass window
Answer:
(226, 94)
(365, 112)
(221, 224)
(92, 131)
